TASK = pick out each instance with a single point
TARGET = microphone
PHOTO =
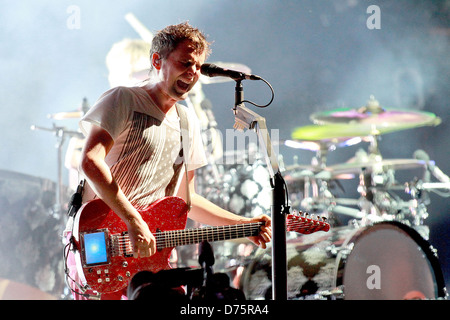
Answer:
(212, 70)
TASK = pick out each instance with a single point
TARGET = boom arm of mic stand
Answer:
(246, 118)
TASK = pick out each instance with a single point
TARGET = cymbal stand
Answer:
(246, 118)
(61, 134)
(197, 102)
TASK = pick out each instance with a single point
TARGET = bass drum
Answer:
(384, 261)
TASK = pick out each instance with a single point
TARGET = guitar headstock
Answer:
(305, 224)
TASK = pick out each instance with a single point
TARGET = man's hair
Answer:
(167, 40)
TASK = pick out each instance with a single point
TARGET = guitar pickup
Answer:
(122, 245)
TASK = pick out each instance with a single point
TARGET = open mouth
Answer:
(183, 85)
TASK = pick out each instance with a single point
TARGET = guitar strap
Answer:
(185, 147)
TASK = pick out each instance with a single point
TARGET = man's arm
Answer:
(93, 165)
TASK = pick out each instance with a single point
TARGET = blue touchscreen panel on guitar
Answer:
(95, 250)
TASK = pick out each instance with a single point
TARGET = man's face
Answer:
(180, 71)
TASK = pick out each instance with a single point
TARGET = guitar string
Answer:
(187, 236)
(176, 237)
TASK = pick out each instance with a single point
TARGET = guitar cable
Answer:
(74, 206)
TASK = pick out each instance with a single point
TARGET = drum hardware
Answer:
(431, 186)
(61, 133)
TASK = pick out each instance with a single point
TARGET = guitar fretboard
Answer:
(174, 238)
(121, 244)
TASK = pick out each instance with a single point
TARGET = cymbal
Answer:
(299, 173)
(338, 132)
(66, 115)
(226, 65)
(366, 127)
(325, 144)
(376, 117)
(376, 165)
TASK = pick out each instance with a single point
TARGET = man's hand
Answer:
(143, 242)
(265, 235)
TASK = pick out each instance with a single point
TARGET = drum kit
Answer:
(377, 248)
(382, 252)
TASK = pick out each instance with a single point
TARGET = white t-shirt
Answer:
(144, 159)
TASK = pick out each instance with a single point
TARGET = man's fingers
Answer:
(142, 248)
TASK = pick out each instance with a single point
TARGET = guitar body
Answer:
(169, 213)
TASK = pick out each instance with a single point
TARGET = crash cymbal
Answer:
(226, 65)
(325, 144)
(376, 117)
(366, 127)
(338, 132)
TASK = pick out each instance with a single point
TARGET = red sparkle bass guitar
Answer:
(103, 251)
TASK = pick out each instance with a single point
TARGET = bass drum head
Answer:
(390, 261)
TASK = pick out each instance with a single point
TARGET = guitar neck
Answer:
(174, 238)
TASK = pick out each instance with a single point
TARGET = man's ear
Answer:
(156, 60)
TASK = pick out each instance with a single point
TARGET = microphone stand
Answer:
(247, 118)
(206, 260)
